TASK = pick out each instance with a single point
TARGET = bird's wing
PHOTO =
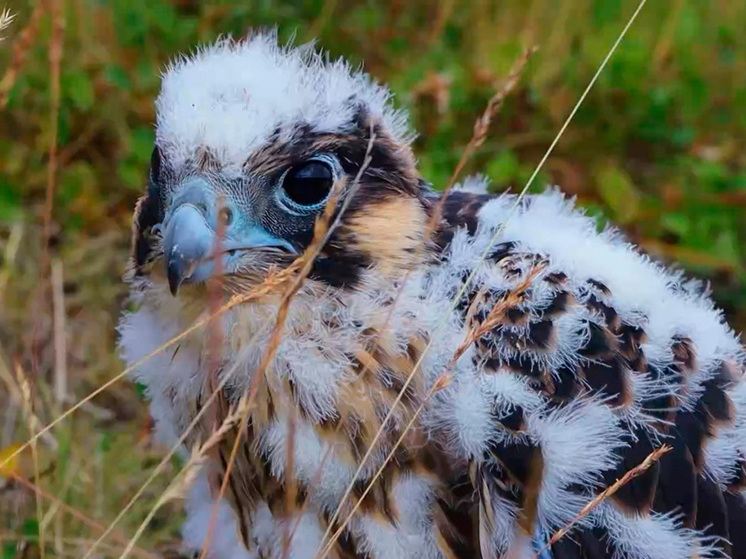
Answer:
(588, 367)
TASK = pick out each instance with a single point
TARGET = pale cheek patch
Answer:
(390, 233)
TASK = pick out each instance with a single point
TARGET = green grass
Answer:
(659, 147)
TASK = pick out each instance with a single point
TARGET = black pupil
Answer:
(308, 184)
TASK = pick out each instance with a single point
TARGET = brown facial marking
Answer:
(206, 161)
(390, 233)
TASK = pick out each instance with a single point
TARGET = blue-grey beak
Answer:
(193, 250)
(187, 243)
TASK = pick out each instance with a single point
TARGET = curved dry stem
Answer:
(262, 290)
(482, 125)
(481, 259)
(605, 494)
(75, 513)
(182, 478)
(441, 383)
(322, 233)
(443, 380)
(182, 439)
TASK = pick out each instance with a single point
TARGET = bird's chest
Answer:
(320, 416)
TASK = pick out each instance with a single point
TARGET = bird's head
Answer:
(251, 139)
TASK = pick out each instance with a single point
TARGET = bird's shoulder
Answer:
(579, 317)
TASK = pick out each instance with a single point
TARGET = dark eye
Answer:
(309, 183)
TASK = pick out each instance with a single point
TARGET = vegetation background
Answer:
(658, 147)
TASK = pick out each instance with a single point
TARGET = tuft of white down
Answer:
(231, 96)
(224, 540)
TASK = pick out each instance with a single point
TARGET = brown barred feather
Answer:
(613, 354)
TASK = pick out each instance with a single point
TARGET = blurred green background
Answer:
(658, 147)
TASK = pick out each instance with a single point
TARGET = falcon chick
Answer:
(561, 361)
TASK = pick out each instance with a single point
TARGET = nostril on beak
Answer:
(225, 216)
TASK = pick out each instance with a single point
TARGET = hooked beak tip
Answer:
(178, 271)
(174, 278)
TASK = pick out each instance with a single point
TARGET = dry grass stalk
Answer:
(219, 430)
(322, 232)
(546, 155)
(535, 173)
(548, 152)
(377, 436)
(53, 512)
(482, 125)
(75, 513)
(433, 222)
(291, 486)
(238, 416)
(481, 128)
(477, 139)
(484, 254)
(55, 60)
(496, 314)
(272, 283)
(606, 493)
(175, 490)
(32, 424)
(183, 479)
(199, 454)
(386, 419)
(215, 293)
(318, 473)
(314, 481)
(441, 383)
(21, 47)
(10, 418)
(20, 392)
(9, 255)
(60, 328)
(55, 63)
